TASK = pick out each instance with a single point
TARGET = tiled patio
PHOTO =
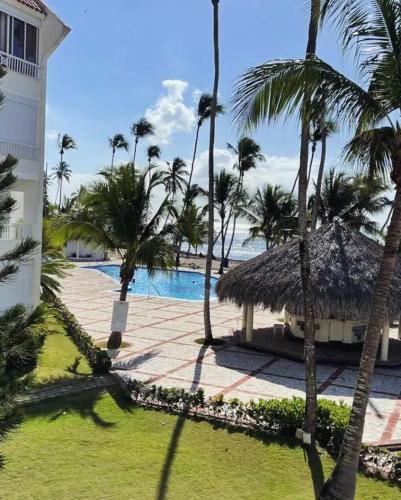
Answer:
(162, 349)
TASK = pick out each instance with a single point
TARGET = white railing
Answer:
(19, 65)
(19, 151)
(15, 232)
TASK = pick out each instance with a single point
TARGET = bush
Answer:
(98, 359)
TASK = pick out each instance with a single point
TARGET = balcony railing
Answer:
(19, 65)
(19, 151)
(15, 232)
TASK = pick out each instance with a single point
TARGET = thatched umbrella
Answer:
(344, 266)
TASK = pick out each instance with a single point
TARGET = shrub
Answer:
(98, 359)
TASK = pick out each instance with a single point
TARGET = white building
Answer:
(29, 33)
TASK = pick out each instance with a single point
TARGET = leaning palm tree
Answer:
(272, 215)
(371, 28)
(118, 215)
(203, 114)
(154, 152)
(65, 143)
(116, 142)
(263, 92)
(174, 177)
(140, 130)
(224, 187)
(213, 111)
(61, 173)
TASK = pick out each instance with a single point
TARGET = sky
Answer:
(125, 59)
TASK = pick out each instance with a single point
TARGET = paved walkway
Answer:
(68, 387)
(162, 350)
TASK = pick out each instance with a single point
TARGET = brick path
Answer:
(162, 350)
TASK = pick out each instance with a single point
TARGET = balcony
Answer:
(19, 65)
(15, 232)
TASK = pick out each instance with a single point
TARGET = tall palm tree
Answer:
(119, 216)
(65, 143)
(248, 154)
(377, 24)
(174, 177)
(140, 130)
(272, 215)
(213, 111)
(154, 152)
(203, 114)
(224, 187)
(260, 95)
(61, 173)
(116, 142)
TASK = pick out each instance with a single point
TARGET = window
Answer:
(18, 38)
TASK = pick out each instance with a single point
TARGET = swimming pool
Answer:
(172, 284)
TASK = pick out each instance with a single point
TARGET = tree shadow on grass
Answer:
(179, 426)
(313, 459)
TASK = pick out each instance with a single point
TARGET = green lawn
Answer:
(97, 445)
(60, 359)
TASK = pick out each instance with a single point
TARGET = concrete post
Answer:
(385, 341)
(244, 316)
(249, 324)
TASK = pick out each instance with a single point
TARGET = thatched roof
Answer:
(344, 266)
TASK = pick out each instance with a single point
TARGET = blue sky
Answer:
(128, 58)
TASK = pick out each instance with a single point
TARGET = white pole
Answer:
(399, 327)
(249, 324)
(244, 316)
(385, 341)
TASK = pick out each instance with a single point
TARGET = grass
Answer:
(97, 444)
(60, 359)
(103, 344)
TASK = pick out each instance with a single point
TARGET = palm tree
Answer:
(351, 199)
(377, 24)
(61, 173)
(118, 215)
(203, 114)
(140, 130)
(248, 154)
(116, 142)
(192, 226)
(174, 177)
(213, 111)
(224, 186)
(65, 143)
(260, 95)
(153, 152)
(272, 215)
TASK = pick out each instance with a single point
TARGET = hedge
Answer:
(98, 359)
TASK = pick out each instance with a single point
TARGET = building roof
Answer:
(344, 266)
(37, 5)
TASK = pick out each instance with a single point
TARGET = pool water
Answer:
(172, 284)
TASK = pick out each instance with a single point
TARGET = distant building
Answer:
(29, 33)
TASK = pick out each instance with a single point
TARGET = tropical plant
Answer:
(174, 177)
(65, 143)
(248, 154)
(192, 226)
(61, 173)
(267, 92)
(154, 152)
(117, 142)
(272, 215)
(203, 114)
(225, 185)
(351, 199)
(118, 215)
(140, 130)
(213, 111)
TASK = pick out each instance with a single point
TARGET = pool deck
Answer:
(162, 349)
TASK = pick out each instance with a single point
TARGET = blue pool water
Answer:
(172, 284)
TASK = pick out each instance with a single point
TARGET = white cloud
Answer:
(170, 114)
(51, 135)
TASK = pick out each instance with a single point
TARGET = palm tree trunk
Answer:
(342, 483)
(208, 324)
(311, 162)
(234, 210)
(318, 190)
(223, 241)
(295, 184)
(135, 148)
(194, 156)
(61, 189)
(112, 160)
(304, 254)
